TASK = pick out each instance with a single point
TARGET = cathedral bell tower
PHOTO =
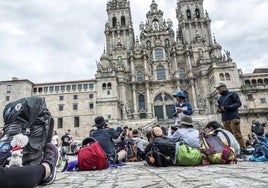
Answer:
(193, 21)
(119, 30)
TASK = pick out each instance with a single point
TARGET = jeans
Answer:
(26, 176)
(234, 127)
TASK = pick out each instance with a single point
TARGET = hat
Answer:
(220, 84)
(100, 121)
(179, 94)
(135, 133)
(157, 132)
(187, 120)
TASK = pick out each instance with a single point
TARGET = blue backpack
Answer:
(260, 153)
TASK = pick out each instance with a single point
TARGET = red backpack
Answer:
(91, 156)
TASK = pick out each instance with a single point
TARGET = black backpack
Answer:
(162, 153)
(31, 117)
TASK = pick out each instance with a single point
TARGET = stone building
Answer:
(136, 76)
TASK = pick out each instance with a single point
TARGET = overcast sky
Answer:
(60, 40)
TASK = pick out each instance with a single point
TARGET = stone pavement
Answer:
(243, 174)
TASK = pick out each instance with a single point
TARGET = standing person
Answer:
(66, 141)
(228, 104)
(105, 135)
(181, 107)
(55, 139)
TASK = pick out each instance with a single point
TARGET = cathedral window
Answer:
(254, 82)
(76, 122)
(221, 77)
(141, 102)
(260, 82)
(139, 76)
(60, 123)
(161, 75)
(247, 82)
(114, 22)
(262, 100)
(188, 14)
(182, 73)
(158, 54)
(227, 76)
(197, 13)
(123, 21)
(266, 81)
(104, 86)
(109, 86)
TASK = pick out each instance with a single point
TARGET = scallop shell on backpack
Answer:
(20, 140)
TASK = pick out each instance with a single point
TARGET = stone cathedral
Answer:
(137, 75)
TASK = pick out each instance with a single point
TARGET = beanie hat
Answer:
(157, 132)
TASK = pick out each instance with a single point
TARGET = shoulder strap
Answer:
(225, 135)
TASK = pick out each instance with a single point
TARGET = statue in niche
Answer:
(127, 108)
(228, 54)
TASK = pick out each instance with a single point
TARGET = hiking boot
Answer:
(51, 157)
(244, 151)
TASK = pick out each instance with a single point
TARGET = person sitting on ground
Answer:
(213, 126)
(105, 135)
(140, 143)
(186, 134)
(30, 176)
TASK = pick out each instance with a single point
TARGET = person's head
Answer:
(180, 96)
(125, 127)
(212, 125)
(135, 133)
(55, 132)
(157, 132)
(221, 87)
(100, 122)
(186, 121)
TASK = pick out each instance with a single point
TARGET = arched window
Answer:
(221, 77)
(247, 82)
(114, 21)
(265, 81)
(182, 73)
(109, 85)
(141, 102)
(139, 76)
(155, 24)
(104, 86)
(197, 13)
(254, 82)
(227, 76)
(161, 75)
(123, 21)
(188, 14)
(260, 82)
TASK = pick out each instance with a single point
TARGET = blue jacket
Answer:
(104, 136)
(189, 110)
(231, 102)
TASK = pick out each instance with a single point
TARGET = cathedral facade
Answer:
(137, 76)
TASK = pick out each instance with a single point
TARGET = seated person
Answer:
(30, 176)
(140, 143)
(186, 134)
(105, 135)
(213, 126)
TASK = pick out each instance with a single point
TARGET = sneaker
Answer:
(51, 157)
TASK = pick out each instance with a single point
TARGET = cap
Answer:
(220, 84)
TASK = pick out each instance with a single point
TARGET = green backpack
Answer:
(188, 156)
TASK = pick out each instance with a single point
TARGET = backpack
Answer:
(260, 152)
(131, 149)
(31, 117)
(188, 156)
(91, 156)
(216, 151)
(162, 153)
